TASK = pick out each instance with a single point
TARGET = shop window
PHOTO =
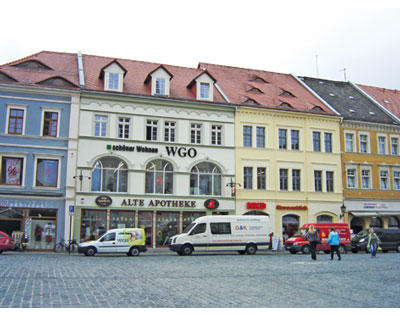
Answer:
(393, 222)
(324, 219)
(122, 219)
(205, 179)
(356, 225)
(145, 221)
(159, 177)
(93, 224)
(47, 173)
(167, 226)
(189, 217)
(375, 222)
(11, 171)
(290, 226)
(220, 228)
(110, 174)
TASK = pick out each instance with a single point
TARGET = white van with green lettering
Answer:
(243, 233)
(122, 240)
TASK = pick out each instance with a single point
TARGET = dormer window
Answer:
(113, 75)
(160, 86)
(204, 86)
(204, 90)
(160, 81)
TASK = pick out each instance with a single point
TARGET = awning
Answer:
(371, 214)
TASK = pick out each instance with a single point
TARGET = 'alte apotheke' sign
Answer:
(171, 150)
(159, 203)
(103, 200)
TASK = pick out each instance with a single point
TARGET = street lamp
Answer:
(80, 178)
(233, 185)
(342, 210)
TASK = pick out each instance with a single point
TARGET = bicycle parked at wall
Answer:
(66, 245)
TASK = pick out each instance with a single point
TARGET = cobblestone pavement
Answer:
(163, 279)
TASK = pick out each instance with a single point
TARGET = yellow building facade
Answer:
(282, 171)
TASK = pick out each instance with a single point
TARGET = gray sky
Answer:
(252, 34)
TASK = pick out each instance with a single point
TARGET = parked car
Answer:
(6, 242)
(299, 243)
(390, 240)
(131, 241)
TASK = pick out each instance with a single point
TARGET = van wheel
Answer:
(293, 252)
(134, 252)
(90, 251)
(179, 253)
(398, 248)
(342, 249)
(187, 250)
(306, 250)
(251, 249)
(242, 252)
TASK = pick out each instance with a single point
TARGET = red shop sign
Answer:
(256, 206)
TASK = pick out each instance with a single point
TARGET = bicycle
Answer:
(66, 245)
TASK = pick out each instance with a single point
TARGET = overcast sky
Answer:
(364, 40)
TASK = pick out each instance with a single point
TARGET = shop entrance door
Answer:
(145, 221)
(10, 225)
(290, 226)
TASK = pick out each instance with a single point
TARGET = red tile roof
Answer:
(390, 99)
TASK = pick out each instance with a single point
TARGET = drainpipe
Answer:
(80, 71)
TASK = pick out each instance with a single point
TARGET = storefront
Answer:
(39, 222)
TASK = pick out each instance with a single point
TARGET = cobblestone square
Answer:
(163, 279)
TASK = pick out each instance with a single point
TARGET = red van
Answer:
(6, 242)
(298, 242)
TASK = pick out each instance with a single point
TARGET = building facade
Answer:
(161, 154)
(38, 147)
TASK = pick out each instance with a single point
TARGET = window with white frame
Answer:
(318, 180)
(365, 178)
(295, 139)
(100, 128)
(195, 133)
(384, 179)
(247, 136)
(282, 138)
(16, 120)
(382, 145)
(124, 124)
(261, 178)
(169, 131)
(159, 177)
(349, 142)
(351, 178)
(47, 172)
(283, 179)
(330, 187)
(316, 141)
(394, 142)
(113, 81)
(205, 179)
(296, 180)
(160, 86)
(364, 143)
(260, 135)
(248, 177)
(11, 170)
(396, 179)
(216, 134)
(204, 90)
(50, 123)
(109, 174)
(328, 142)
(151, 130)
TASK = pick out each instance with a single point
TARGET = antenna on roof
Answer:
(344, 73)
(316, 65)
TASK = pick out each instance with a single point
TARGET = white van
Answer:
(242, 233)
(122, 240)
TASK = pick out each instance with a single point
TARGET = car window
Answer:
(2, 235)
(108, 237)
(199, 229)
(220, 228)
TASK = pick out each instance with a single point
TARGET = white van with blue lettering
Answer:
(242, 233)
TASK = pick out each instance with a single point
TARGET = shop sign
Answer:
(181, 151)
(171, 150)
(159, 203)
(139, 149)
(103, 200)
(256, 206)
(211, 204)
(292, 208)
(375, 206)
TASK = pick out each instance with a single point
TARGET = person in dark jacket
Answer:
(334, 241)
(312, 236)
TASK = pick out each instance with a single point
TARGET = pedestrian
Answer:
(373, 242)
(334, 240)
(271, 235)
(312, 236)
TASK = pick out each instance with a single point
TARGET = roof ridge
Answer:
(33, 55)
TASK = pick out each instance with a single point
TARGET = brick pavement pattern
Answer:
(167, 280)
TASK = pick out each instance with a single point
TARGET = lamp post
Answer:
(80, 178)
(233, 185)
(342, 211)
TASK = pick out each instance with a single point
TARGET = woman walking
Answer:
(313, 237)
(373, 242)
(334, 241)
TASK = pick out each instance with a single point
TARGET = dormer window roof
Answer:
(204, 86)
(5, 77)
(160, 81)
(32, 65)
(58, 82)
(113, 75)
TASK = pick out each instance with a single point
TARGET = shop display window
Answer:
(93, 224)
(145, 221)
(122, 219)
(11, 171)
(167, 226)
(47, 173)
(189, 217)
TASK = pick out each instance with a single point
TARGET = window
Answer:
(381, 145)
(160, 86)
(47, 173)
(123, 127)
(110, 174)
(393, 222)
(384, 179)
(396, 180)
(108, 237)
(349, 140)
(282, 138)
(11, 170)
(195, 133)
(365, 179)
(261, 178)
(247, 136)
(169, 131)
(113, 81)
(395, 145)
(351, 178)
(93, 224)
(316, 141)
(167, 226)
(50, 124)
(260, 137)
(283, 179)
(328, 142)
(295, 140)
(205, 179)
(296, 180)
(204, 90)
(318, 180)
(151, 130)
(329, 181)
(247, 177)
(324, 219)
(220, 228)
(216, 135)
(364, 143)
(159, 177)
(199, 229)
(100, 125)
(16, 121)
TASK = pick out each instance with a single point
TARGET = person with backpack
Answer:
(312, 236)
(373, 242)
(334, 241)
